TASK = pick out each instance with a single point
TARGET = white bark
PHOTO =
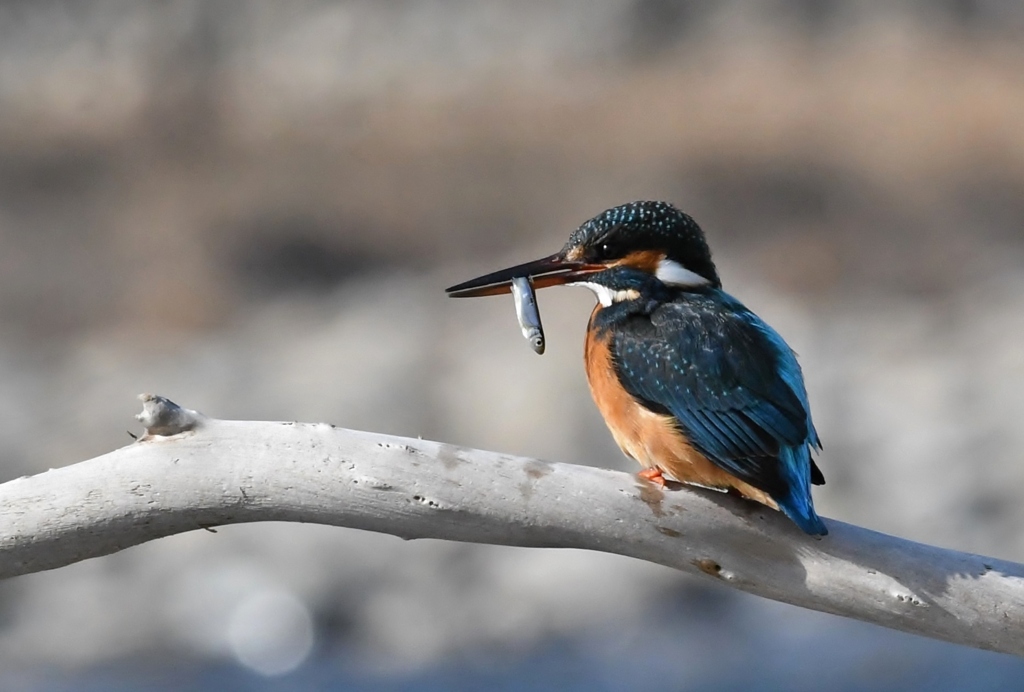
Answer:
(191, 472)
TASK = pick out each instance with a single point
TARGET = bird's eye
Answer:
(604, 251)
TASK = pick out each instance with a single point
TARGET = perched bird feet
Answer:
(654, 476)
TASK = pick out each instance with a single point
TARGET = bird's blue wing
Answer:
(734, 387)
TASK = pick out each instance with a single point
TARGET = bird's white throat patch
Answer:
(607, 296)
(672, 273)
(669, 272)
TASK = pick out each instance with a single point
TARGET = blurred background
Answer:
(253, 208)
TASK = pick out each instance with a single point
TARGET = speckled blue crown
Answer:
(651, 225)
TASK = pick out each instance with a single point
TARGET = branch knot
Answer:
(162, 417)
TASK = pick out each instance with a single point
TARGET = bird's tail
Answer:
(797, 503)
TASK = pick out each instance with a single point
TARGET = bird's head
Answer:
(618, 254)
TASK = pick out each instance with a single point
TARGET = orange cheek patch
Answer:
(645, 260)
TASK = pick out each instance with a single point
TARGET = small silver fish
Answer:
(527, 313)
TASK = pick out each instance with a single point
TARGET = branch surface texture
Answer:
(189, 471)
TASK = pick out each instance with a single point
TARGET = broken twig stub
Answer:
(161, 417)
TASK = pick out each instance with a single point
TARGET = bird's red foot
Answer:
(653, 475)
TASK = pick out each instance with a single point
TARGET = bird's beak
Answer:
(555, 270)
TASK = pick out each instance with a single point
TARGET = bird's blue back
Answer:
(732, 384)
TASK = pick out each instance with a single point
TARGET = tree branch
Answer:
(189, 472)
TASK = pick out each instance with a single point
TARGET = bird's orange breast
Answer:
(653, 439)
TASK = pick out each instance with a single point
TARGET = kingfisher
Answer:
(691, 383)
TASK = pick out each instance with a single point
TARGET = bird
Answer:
(691, 383)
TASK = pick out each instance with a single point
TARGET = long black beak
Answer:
(549, 271)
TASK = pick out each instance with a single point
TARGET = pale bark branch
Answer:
(191, 472)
